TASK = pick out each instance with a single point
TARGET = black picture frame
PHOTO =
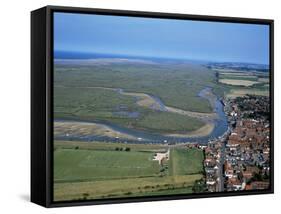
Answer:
(42, 103)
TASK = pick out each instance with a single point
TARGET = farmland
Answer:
(239, 83)
(97, 170)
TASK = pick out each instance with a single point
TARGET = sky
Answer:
(167, 38)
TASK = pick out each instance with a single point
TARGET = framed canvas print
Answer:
(140, 106)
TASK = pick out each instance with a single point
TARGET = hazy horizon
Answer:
(161, 38)
(61, 54)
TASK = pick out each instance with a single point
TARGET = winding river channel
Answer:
(217, 120)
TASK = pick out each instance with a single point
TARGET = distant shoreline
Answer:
(72, 55)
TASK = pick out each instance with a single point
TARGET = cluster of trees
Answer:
(126, 149)
(259, 177)
(199, 186)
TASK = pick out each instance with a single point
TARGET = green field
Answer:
(159, 122)
(185, 162)
(84, 165)
(97, 170)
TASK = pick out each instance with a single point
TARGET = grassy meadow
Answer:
(105, 170)
(186, 162)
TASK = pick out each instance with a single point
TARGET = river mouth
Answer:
(215, 124)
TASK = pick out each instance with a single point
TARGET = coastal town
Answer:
(240, 160)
